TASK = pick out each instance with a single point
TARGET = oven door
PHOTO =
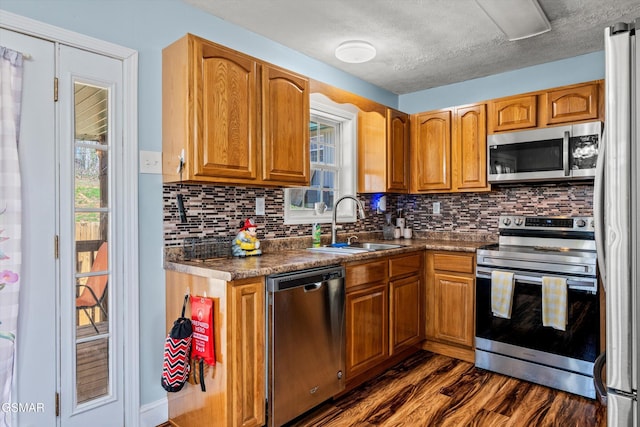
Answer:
(523, 336)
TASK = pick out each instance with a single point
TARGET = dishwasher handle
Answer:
(312, 287)
(308, 279)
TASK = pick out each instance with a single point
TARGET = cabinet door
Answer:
(513, 113)
(285, 126)
(431, 152)
(453, 309)
(572, 104)
(367, 341)
(245, 335)
(405, 318)
(397, 151)
(470, 148)
(226, 105)
(372, 167)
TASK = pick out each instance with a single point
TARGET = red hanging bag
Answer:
(203, 349)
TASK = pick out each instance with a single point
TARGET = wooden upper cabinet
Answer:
(383, 152)
(397, 151)
(551, 107)
(372, 145)
(233, 119)
(285, 121)
(383, 141)
(470, 148)
(571, 104)
(227, 95)
(513, 113)
(431, 151)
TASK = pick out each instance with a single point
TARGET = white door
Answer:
(90, 154)
(74, 353)
(36, 358)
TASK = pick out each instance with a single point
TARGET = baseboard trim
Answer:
(155, 413)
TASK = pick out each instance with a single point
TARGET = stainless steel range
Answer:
(520, 346)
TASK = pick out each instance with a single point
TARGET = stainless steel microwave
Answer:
(549, 154)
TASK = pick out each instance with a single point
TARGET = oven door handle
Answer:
(485, 273)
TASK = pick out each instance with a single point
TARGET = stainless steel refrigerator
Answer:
(616, 201)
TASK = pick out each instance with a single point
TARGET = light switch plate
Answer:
(150, 162)
(436, 208)
(259, 205)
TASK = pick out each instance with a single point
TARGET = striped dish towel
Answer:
(554, 302)
(501, 293)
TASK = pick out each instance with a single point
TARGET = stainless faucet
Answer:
(334, 228)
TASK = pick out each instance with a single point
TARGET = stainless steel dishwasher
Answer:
(305, 341)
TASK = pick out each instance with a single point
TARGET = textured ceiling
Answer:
(423, 43)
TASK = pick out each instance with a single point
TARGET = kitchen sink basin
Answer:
(377, 246)
(356, 248)
(343, 250)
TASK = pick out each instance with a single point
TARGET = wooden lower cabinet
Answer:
(384, 314)
(450, 302)
(406, 314)
(235, 387)
(367, 330)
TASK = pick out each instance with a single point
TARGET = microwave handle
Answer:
(565, 151)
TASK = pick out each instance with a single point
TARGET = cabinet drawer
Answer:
(454, 262)
(406, 264)
(368, 272)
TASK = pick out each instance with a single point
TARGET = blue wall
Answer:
(559, 73)
(149, 25)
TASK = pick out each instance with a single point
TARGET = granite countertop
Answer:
(278, 258)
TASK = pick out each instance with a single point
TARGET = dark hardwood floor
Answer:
(433, 390)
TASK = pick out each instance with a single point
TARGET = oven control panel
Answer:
(583, 223)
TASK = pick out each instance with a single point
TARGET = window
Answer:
(332, 132)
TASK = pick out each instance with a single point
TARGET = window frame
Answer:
(346, 149)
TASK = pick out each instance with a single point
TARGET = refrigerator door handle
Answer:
(598, 209)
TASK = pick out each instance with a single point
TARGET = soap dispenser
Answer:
(388, 229)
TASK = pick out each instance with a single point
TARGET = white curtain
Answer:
(10, 215)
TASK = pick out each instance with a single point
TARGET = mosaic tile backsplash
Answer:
(217, 210)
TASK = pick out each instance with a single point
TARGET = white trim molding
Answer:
(129, 58)
(154, 413)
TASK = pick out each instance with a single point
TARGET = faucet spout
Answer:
(334, 228)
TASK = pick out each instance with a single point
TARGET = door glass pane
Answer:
(92, 368)
(92, 231)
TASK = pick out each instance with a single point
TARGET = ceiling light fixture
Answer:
(355, 51)
(519, 19)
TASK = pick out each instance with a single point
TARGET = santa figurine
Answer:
(246, 243)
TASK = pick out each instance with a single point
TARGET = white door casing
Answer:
(37, 366)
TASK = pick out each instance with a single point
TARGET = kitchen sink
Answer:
(377, 246)
(343, 250)
(356, 248)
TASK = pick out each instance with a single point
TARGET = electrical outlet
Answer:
(259, 205)
(436, 208)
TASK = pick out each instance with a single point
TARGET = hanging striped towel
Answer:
(501, 293)
(554, 302)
